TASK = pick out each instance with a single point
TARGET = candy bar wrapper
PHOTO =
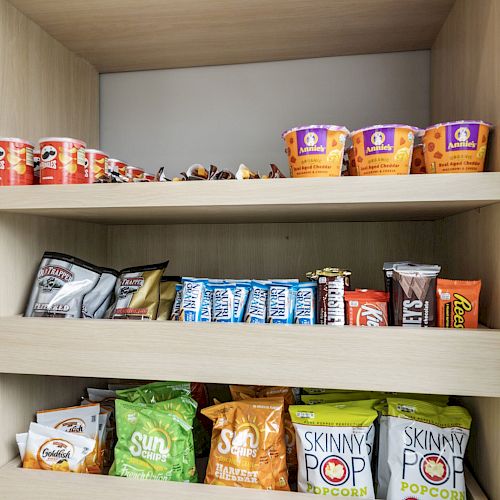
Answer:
(56, 450)
(457, 303)
(193, 291)
(414, 295)
(244, 173)
(305, 304)
(176, 308)
(281, 302)
(256, 310)
(367, 308)
(241, 292)
(388, 269)
(331, 309)
(168, 286)
(222, 302)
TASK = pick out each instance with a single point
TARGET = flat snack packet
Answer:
(305, 304)
(333, 449)
(56, 450)
(248, 444)
(168, 286)
(256, 309)
(222, 302)
(82, 420)
(153, 443)
(61, 284)
(97, 301)
(193, 292)
(281, 302)
(367, 307)
(457, 303)
(137, 292)
(426, 449)
(21, 440)
(155, 392)
(176, 307)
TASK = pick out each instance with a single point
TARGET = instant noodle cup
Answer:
(418, 160)
(36, 166)
(383, 149)
(117, 166)
(16, 162)
(456, 147)
(62, 161)
(351, 161)
(315, 150)
(95, 165)
(135, 174)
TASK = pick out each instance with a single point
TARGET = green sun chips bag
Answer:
(425, 450)
(155, 392)
(333, 450)
(155, 441)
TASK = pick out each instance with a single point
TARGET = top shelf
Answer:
(413, 197)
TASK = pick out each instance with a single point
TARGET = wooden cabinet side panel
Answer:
(45, 90)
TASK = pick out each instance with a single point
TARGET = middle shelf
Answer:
(395, 359)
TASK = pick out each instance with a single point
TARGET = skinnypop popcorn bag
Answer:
(425, 450)
(248, 444)
(333, 449)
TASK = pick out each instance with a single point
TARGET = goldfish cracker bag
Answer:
(425, 450)
(56, 450)
(333, 449)
(154, 442)
(248, 444)
(457, 303)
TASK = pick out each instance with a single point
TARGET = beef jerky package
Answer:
(332, 283)
(137, 292)
(167, 296)
(414, 294)
(388, 269)
(61, 284)
(97, 301)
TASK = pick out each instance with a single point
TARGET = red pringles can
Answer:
(149, 177)
(117, 166)
(96, 165)
(62, 161)
(135, 174)
(36, 166)
(16, 162)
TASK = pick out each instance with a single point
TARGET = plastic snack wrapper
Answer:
(155, 392)
(281, 302)
(333, 449)
(248, 444)
(244, 173)
(97, 301)
(256, 310)
(222, 296)
(193, 290)
(168, 291)
(176, 307)
(21, 440)
(137, 292)
(367, 307)
(457, 303)
(56, 450)
(305, 304)
(61, 283)
(425, 450)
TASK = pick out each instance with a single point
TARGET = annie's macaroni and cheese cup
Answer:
(383, 149)
(418, 160)
(456, 147)
(16, 162)
(62, 161)
(96, 163)
(315, 150)
(351, 161)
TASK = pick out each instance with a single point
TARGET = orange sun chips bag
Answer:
(248, 444)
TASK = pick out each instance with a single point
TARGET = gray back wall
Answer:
(227, 115)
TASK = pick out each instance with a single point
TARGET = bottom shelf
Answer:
(23, 484)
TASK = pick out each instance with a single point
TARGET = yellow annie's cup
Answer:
(315, 150)
(383, 149)
(456, 147)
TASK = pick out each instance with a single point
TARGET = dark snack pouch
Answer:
(167, 296)
(60, 286)
(97, 301)
(414, 295)
(137, 292)
(388, 269)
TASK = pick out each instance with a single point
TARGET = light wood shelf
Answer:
(417, 197)
(389, 359)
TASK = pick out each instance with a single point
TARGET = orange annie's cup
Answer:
(315, 150)
(418, 160)
(351, 158)
(16, 162)
(383, 149)
(456, 147)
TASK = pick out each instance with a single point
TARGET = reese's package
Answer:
(333, 449)
(137, 292)
(168, 286)
(457, 303)
(155, 441)
(426, 449)
(97, 301)
(61, 283)
(53, 449)
(248, 444)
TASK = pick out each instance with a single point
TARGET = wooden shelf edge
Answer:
(474, 491)
(386, 359)
(416, 197)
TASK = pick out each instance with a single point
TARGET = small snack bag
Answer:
(248, 444)
(281, 302)
(457, 303)
(155, 392)
(97, 301)
(176, 308)
(367, 307)
(425, 450)
(21, 440)
(305, 304)
(256, 310)
(56, 450)
(334, 450)
(222, 298)
(193, 292)
(168, 292)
